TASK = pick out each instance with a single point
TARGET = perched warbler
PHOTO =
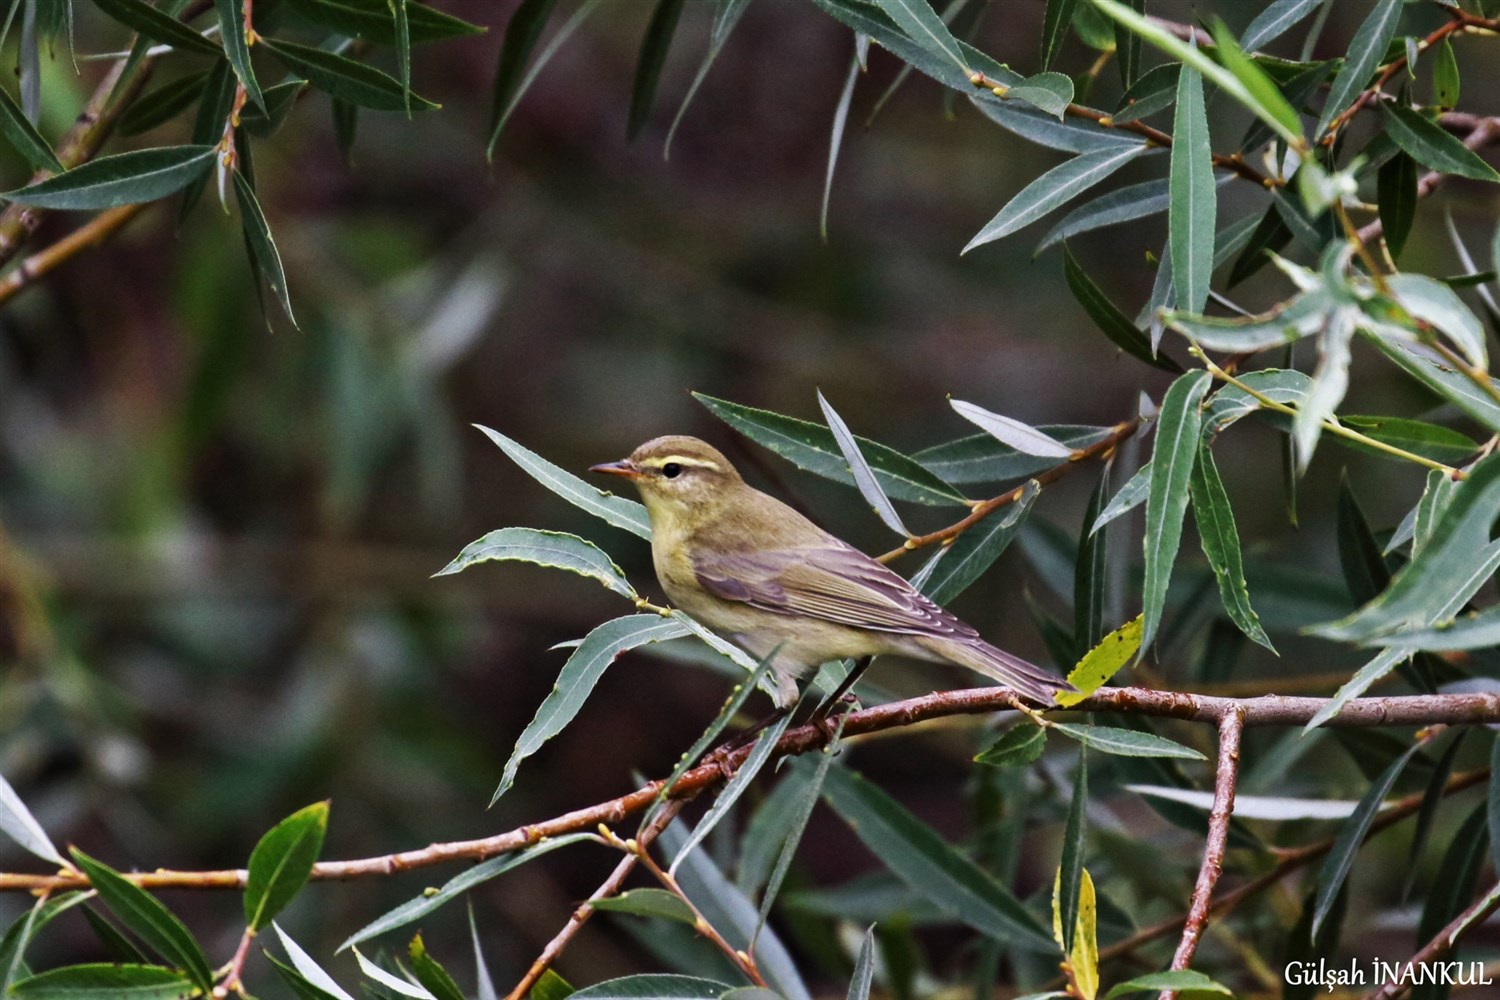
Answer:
(753, 569)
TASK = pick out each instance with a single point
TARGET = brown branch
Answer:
(1231, 728)
(1460, 21)
(608, 888)
(1443, 942)
(1268, 710)
(1102, 448)
(98, 229)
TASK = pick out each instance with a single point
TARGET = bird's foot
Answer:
(826, 715)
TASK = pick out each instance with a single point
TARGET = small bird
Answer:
(762, 575)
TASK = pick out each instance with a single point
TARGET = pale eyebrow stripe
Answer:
(697, 463)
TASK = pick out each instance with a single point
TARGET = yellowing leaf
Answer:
(1083, 962)
(1100, 663)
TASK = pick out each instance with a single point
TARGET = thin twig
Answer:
(1231, 728)
(1474, 708)
(1102, 448)
(98, 229)
(1443, 942)
(1459, 23)
(607, 888)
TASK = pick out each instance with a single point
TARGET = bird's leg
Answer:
(820, 715)
(720, 754)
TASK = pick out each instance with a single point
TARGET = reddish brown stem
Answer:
(1443, 942)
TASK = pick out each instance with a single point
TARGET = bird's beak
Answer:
(624, 467)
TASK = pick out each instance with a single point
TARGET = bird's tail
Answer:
(1025, 678)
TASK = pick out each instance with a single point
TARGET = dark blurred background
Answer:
(218, 531)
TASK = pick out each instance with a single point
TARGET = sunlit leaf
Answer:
(17, 823)
(979, 458)
(309, 970)
(1022, 437)
(836, 142)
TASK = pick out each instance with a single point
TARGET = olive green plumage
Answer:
(753, 569)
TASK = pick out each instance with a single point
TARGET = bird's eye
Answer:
(671, 470)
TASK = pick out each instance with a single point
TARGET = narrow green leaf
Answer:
(1108, 318)
(1437, 790)
(1453, 888)
(726, 15)
(390, 982)
(24, 138)
(522, 32)
(1190, 219)
(1180, 980)
(1432, 147)
(1433, 302)
(872, 19)
(233, 26)
(836, 142)
(1278, 17)
(17, 823)
(921, 24)
(1441, 444)
(282, 861)
(864, 968)
(120, 948)
(1055, 27)
(1022, 437)
(105, 982)
(1171, 470)
(1445, 573)
(313, 973)
(618, 511)
(915, 853)
(1126, 742)
(1070, 868)
(554, 549)
(1396, 197)
(1445, 78)
(1366, 50)
(552, 987)
(812, 447)
(654, 986)
(122, 179)
(1270, 234)
(580, 674)
(208, 127)
(648, 903)
(144, 914)
(760, 755)
(1221, 544)
(501, 113)
(1156, 90)
(1351, 835)
(1090, 571)
(1050, 92)
(1054, 188)
(1449, 385)
(798, 813)
(430, 973)
(415, 909)
(1071, 135)
(302, 987)
(979, 458)
(654, 47)
(1272, 104)
(1130, 496)
(163, 104)
(258, 238)
(1020, 745)
(375, 21)
(726, 909)
(1128, 48)
(403, 47)
(346, 79)
(1378, 667)
(976, 549)
(1126, 204)
(157, 25)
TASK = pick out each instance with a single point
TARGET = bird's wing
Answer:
(835, 583)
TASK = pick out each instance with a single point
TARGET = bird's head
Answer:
(680, 478)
